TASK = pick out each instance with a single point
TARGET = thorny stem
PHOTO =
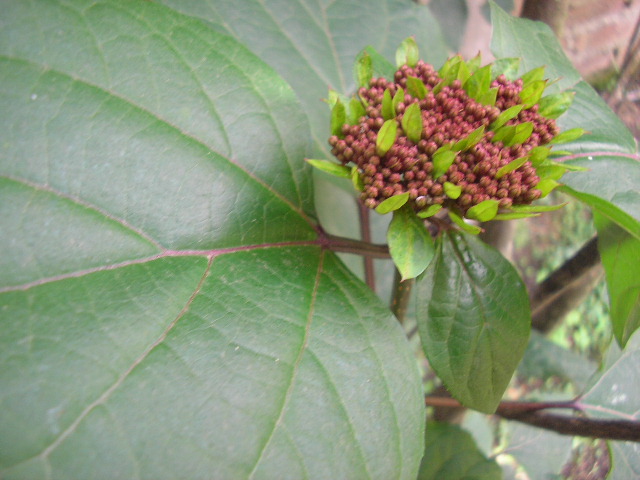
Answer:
(532, 414)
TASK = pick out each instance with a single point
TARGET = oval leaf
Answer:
(386, 137)
(407, 53)
(484, 211)
(331, 168)
(410, 243)
(412, 122)
(392, 203)
(474, 319)
(442, 160)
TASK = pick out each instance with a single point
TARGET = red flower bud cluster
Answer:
(448, 116)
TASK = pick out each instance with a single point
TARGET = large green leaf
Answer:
(474, 319)
(620, 253)
(616, 396)
(451, 453)
(313, 45)
(166, 308)
(613, 177)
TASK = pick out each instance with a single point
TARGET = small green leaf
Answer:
(363, 69)
(511, 166)
(446, 67)
(521, 134)
(416, 88)
(539, 154)
(552, 106)
(381, 66)
(332, 98)
(530, 95)
(386, 137)
(509, 67)
(479, 83)
(412, 122)
(388, 110)
(504, 134)
(546, 186)
(554, 171)
(410, 244)
(392, 203)
(451, 190)
(514, 216)
(356, 111)
(407, 53)
(467, 227)
(430, 211)
(568, 136)
(454, 69)
(469, 141)
(338, 118)
(398, 98)
(505, 116)
(484, 211)
(442, 160)
(331, 168)
(356, 179)
(537, 208)
(490, 97)
(532, 76)
(474, 64)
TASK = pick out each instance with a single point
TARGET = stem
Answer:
(531, 413)
(365, 233)
(349, 245)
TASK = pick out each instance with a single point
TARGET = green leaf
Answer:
(484, 211)
(388, 109)
(474, 319)
(356, 179)
(410, 243)
(532, 76)
(166, 301)
(539, 154)
(451, 190)
(521, 134)
(386, 137)
(398, 98)
(451, 453)
(416, 88)
(430, 211)
(568, 136)
(356, 110)
(407, 53)
(551, 170)
(412, 122)
(537, 208)
(546, 186)
(535, 44)
(619, 252)
(531, 94)
(505, 116)
(511, 166)
(469, 141)
(490, 97)
(552, 106)
(615, 396)
(514, 216)
(363, 69)
(509, 67)
(479, 83)
(338, 118)
(466, 227)
(392, 203)
(442, 160)
(331, 168)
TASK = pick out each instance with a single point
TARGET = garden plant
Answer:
(242, 240)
